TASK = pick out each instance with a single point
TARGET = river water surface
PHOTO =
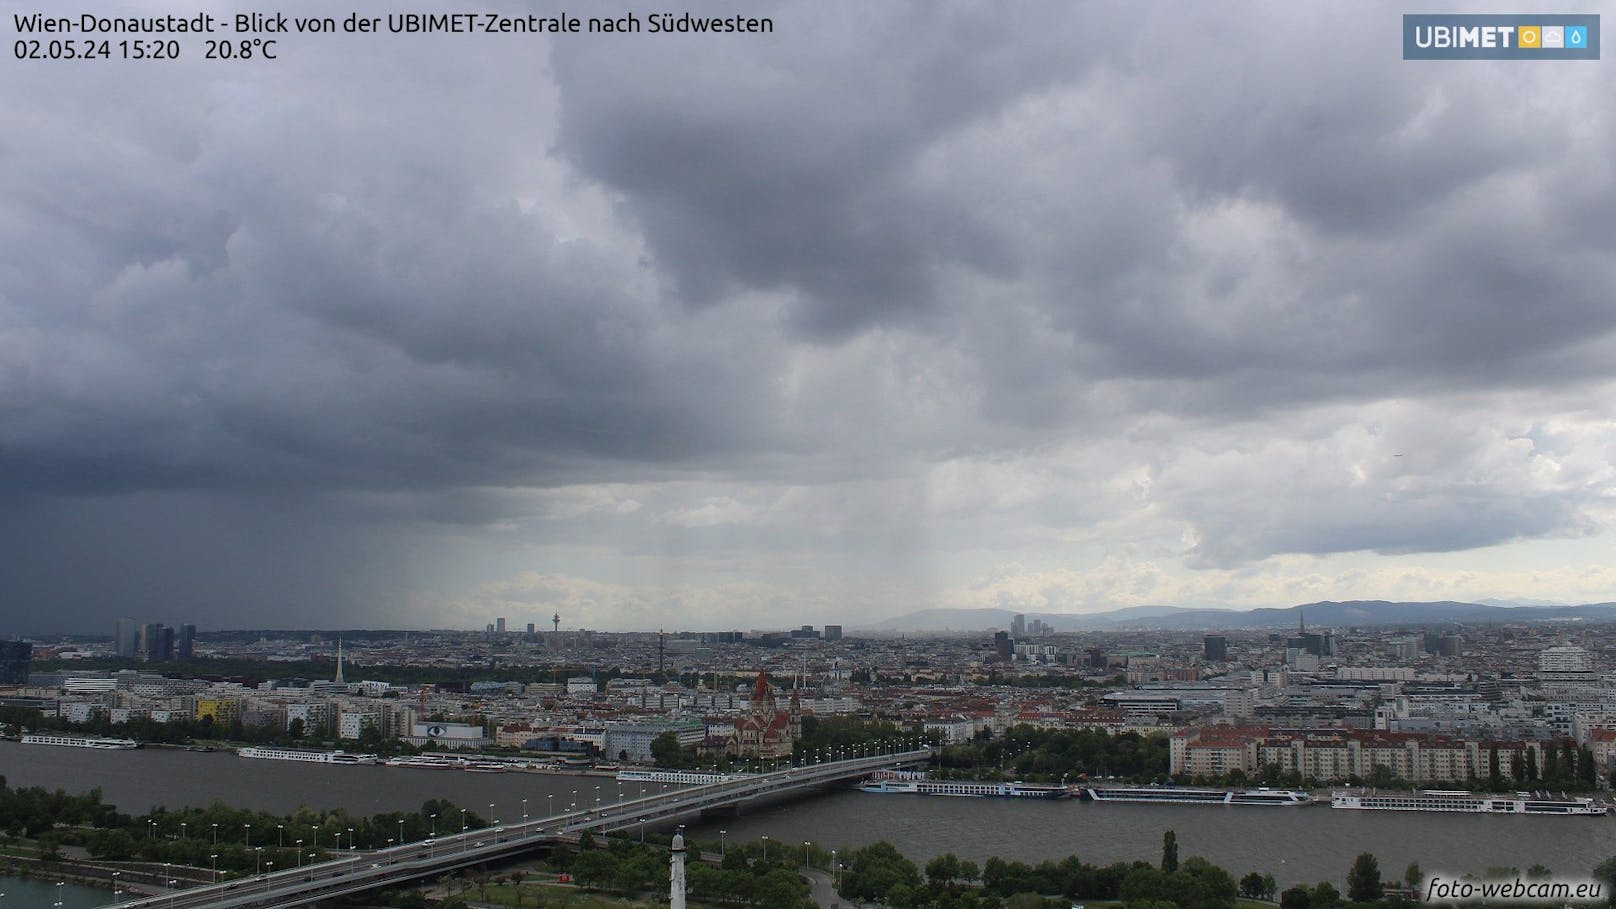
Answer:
(1296, 845)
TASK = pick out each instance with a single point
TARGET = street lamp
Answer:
(350, 840)
(246, 835)
(59, 892)
(258, 854)
(182, 831)
(491, 818)
(401, 831)
(765, 847)
(268, 876)
(299, 853)
(215, 834)
(551, 797)
(805, 854)
(721, 834)
(117, 887)
(642, 831)
(171, 888)
(280, 835)
(524, 809)
(214, 866)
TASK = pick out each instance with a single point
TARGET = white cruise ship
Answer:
(1460, 801)
(428, 762)
(1173, 795)
(684, 777)
(917, 783)
(74, 741)
(312, 757)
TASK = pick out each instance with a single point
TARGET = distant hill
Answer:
(1325, 613)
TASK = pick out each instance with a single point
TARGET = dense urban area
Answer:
(1484, 707)
(1520, 702)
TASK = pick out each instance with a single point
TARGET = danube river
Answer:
(1294, 844)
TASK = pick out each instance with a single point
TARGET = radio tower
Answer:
(555, 623)
(660, 637)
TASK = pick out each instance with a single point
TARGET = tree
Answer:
(1169, 860)
(1297, 897)
(1413, 876)
(1606, 871)
(296, 728)
(1325, 895)
(1539, 872)
(1363, 881)
(593, 868)
(665, 750)
(1251, 886)
(943, 869)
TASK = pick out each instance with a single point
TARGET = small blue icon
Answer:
(1576, 36)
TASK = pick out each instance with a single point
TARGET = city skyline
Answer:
(893, 308)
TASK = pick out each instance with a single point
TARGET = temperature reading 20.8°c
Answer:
(243, 49)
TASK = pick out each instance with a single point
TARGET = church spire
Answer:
(339, 661)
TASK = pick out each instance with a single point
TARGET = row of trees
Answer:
(880, 873)
(747, 876)
(1029, 753)
(217, 836)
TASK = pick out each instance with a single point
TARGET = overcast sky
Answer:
(1056, 307)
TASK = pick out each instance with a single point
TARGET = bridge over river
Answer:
(359, 872)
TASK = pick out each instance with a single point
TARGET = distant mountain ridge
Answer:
(1324, 613)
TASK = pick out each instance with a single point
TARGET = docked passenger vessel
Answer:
(1173, 795)
(918, 783)
(684, 777)
(74, 741)
(1468, 802)
(429, 762)
(312, 757)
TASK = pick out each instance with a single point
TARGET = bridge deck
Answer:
(370, 870)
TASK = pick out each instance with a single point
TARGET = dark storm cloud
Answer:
(788, 283)
(790, 163)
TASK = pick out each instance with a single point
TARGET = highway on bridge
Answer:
(359, 872)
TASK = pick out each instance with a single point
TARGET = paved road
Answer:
(824, 890)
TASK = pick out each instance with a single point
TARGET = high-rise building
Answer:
(126, 638)
(186, 646)
(156, 642)
(530, 628)
(1018, 627)
(833, 632)
(1097, 658)
(499, 625)
(14, 657)
(1217, 648)
(1001, 645)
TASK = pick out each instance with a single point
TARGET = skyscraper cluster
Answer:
(154, 642)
